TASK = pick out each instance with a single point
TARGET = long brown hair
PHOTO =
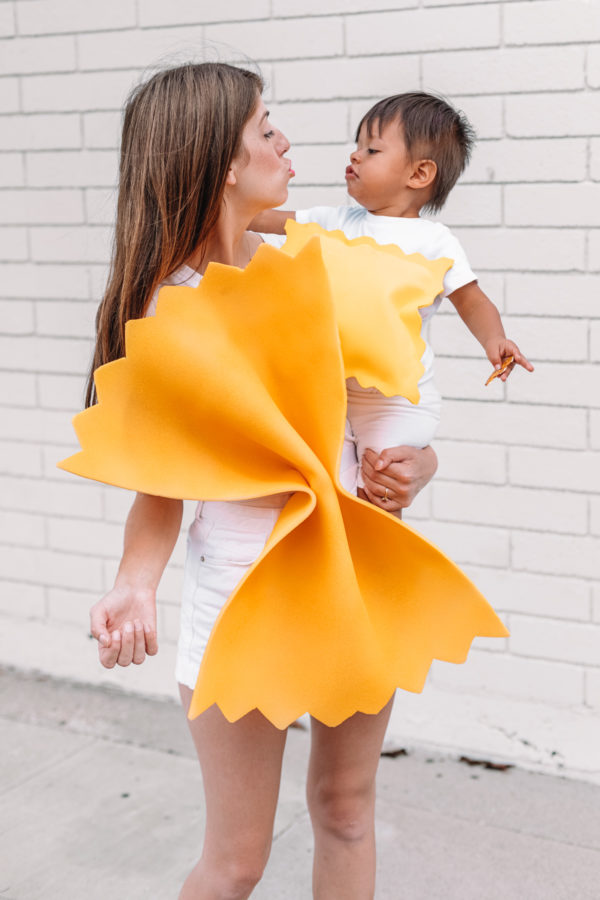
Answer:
(181, 131)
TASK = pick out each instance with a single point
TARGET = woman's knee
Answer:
(231, 877)
(345, 811)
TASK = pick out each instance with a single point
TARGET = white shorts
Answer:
(223, 542)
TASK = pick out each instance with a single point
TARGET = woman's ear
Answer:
(231, 176)
(423, 174)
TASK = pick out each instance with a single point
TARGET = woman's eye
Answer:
(269, 134)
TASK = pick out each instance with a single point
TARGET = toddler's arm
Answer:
(124, 621)
(271, 221)
(483, 319)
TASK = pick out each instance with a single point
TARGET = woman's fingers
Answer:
(99, 624)
(109, 655)
(139, 643)
(151, 639)
(125, 656)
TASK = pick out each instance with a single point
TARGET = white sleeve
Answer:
(328, 217)
(275, 240)
(461, 272)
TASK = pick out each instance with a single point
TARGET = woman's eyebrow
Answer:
(265, 115)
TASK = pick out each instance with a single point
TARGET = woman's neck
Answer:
(228, 243)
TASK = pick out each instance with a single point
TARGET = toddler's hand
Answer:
(498, 349)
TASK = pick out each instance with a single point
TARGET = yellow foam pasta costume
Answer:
(235, 390)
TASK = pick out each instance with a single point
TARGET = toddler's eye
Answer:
(269, 134)
(371, 152)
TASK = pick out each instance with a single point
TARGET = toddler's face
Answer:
(379, 168)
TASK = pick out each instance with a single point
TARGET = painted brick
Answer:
(11, 170)
(169, 617)
(560, 469)
(335, 78)
(510, 507)
(78, 245)
(462, 461)
(592, 688)
(36, 281)
(595, 341)
(594, 251)
(453, 2)
(528, 160)
(555, 554)
(106, 539)
(78, 91)
(566, 641)
(9, 95)
(319, 164)
(16, 316)
(484, 113)
(317, 8)
(88, 168)
(513, 70)
(596, 602)
(22, 529)
(511, 676)
(595, 515)
(30, 207)
(419, 30)
(553, 295)
(535, 595)
(51, 453)
(7, 20)
(34, 495)
(553, 115)
(464, 378)
(305, 197)
(45, 354)
(543, 249)
(560, 384)
(117, 503)
(594, 429)
(51, 567)
(137, 49)
(62, 392)
(65, 319)
(39, 17)
(469, 543)
(561, 204)
(70, 606)
(19, 599)
(102, 130)
(595, 159)
(18, 388)
(35, 425)
(100, 206)
(533, 426)
(593, 67)
(154, 12)
(17, 458)
(43, 132)
(473, 205)
(552, 22)
(282, 38)
(312, 123)
(40, 54)
(13, 245)
(551, 339)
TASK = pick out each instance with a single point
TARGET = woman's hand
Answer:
(398, 474)
(124, 624)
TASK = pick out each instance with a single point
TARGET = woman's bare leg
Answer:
(341, 801)
(241, 770)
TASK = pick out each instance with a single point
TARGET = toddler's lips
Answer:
(350, 173)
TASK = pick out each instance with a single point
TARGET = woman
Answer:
(199, 160)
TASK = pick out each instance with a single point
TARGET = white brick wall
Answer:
(517, 497)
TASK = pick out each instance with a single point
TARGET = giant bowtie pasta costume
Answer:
(235, 390)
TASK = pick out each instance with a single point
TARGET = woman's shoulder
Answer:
(184, 276)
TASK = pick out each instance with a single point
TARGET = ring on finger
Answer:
(385, 497)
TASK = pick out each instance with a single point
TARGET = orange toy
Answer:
(235, 389)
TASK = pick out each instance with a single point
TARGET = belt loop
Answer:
(199, 509)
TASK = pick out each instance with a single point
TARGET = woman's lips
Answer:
(350, 173)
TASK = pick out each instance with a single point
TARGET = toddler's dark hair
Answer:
(432, 129)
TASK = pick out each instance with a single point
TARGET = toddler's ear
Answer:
(423, 174)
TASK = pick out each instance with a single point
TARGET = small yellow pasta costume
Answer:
(236, 390)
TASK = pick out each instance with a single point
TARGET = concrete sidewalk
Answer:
(101, 797)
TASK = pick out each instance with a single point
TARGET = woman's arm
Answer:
(271, 221)
(124, 621)
(403, 471)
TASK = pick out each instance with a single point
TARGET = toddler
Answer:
(411, 150)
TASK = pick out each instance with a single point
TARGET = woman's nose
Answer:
(284, 144)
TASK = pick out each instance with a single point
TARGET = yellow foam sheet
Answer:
(235, 389)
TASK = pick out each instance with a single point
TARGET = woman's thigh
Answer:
(241, 771)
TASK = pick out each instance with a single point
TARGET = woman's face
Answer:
(262, 171)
